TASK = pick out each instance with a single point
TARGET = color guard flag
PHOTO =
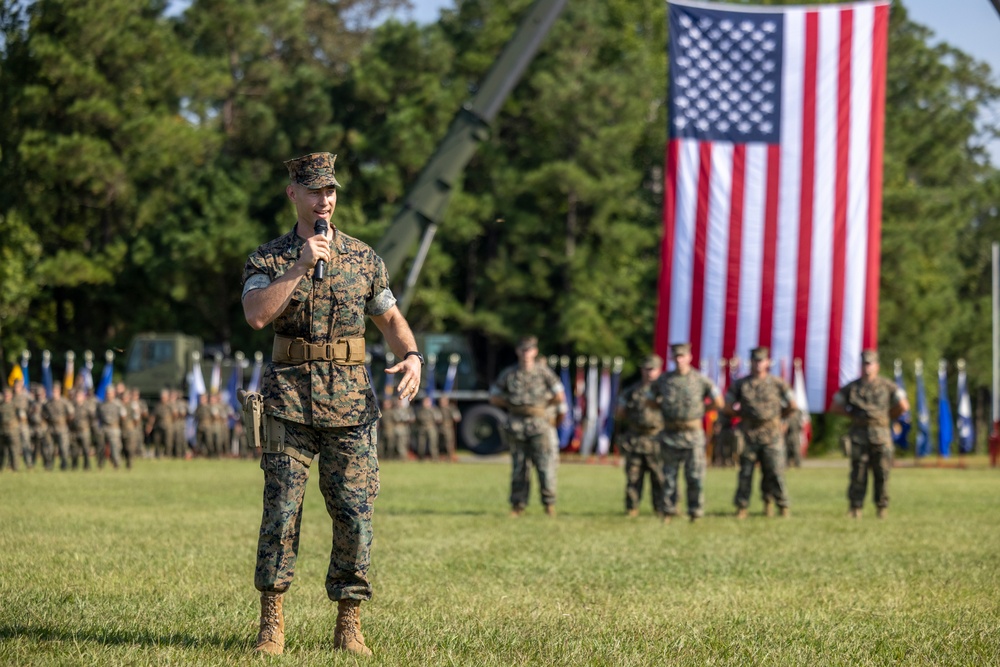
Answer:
(966, 429)
(68, 372)
(567, 425)
(47, 373)
(923, 444)
(901, 427)
(15, 375)
(946, 425)
(773, 182)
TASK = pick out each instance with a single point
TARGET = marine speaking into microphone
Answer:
(320, 228)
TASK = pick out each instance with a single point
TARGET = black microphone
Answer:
(320, 227)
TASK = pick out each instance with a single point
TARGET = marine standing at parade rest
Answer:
(682, 395)
(112, 414)
(57, 413)
(450, 417)
(160, 425)
(638, 422)
(873, 403)
(317, 396)
(428, 418)
(9, 439)
(80, 426)
(22, 405)
(525, 391)
(760, 400)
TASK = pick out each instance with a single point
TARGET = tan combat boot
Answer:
(550, 510)
(632, 513)
(882, 512)
(768, 508)
(785, 512)
(741, 513)
(347, 635)
(271, 638)
(855, 513)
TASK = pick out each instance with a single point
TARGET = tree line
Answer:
(141, 151)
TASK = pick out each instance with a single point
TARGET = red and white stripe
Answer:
(779, 245)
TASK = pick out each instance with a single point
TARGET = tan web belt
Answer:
(343, 351)
(683, 425)
(527, 410)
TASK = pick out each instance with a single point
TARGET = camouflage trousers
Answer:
(9, 444)
(80, 448)
(637, 465)
(540, 450)
(693, 460)
(349, 482)
(877, 458)
(427, 444)
(793, 447)
(772, 467)
(113, 441)
(62, 444)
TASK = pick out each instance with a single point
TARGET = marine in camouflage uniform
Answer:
(793, 438)
(80, 429)
(160, 425)
(57, 412)
(112, 414)
(9, 439)
(872, 402)
(22, 406)
(682, 394)
(404, 420)
(638, 422)
(762, 400)
(180, 447)
(450, 417)
(526, 391)
(40, 431)
(317, 391)
(428, 417)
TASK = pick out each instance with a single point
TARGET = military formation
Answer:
(79, 431)
(428, 432)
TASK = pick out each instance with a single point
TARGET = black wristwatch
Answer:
(414, 353)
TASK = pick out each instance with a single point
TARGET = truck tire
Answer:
(480, 430)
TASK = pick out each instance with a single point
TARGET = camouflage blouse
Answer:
(869, 403)
(762, 402)
(322, 393)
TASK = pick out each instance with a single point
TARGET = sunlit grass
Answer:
(155, 567)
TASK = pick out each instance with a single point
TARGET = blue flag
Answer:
(923, 445)
(258, 364)
(966, 429)
(449, 377)
(616, 373)
(946, 425)
(106, 376)
(47, 373)
(234, 385)
(567, 425)
(429, 388)
(901, 429)
(24, 370)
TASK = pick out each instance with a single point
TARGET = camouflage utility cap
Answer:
(527, 343)
(760, 354)
(314, 171)
(652, 361)
(869, 356)
(677, 349)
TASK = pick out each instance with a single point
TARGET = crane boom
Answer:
(425, 203)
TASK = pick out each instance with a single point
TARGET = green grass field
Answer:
(155, 567)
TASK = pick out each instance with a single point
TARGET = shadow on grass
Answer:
(123, 637)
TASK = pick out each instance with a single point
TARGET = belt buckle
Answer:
(306, 352)
(331, 351)
(347, 346)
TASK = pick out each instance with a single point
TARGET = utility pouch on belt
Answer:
(274, 435)
(253, 416)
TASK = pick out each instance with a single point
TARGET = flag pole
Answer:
(995, 434)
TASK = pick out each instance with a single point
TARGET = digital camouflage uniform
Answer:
(639, 440)
(22, 406)
(403, 419)
(327, 409)
(112, 414)
(529, 431)
(57, 412)
(427, 420)
(82, 437)
(40, 431)
(161, 436)
(869, 404)
(9, 439)
(762, 401)
(450, 417)
(682, 398)
(793, 438)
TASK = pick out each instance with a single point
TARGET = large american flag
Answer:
(772, 211)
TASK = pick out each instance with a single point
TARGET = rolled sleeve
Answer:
(255, 281)
(381, 303)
